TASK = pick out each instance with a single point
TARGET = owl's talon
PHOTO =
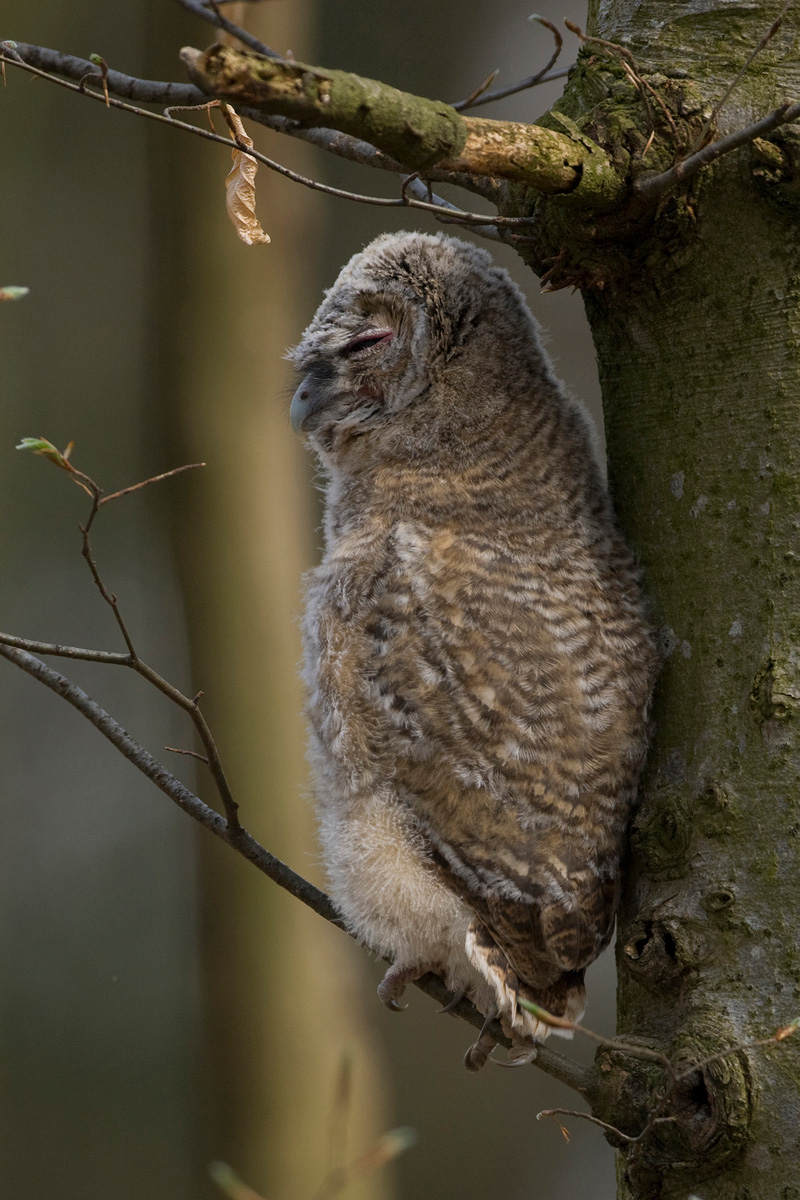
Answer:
(523, 1061)
(452, 1003)
(393, 985)
(477, 1054)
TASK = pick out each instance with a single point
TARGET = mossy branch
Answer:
(417, 132)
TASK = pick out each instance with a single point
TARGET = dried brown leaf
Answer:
(240, 186)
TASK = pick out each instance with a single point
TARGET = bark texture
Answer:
(417, 132)
(697, 333)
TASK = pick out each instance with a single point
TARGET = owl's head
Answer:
(418, 335)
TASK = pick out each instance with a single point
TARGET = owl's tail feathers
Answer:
(578, 925)
(563, 997)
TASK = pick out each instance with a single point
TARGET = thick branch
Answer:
(186, 95)
(417, 132)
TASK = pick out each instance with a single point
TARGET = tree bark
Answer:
(697, 342)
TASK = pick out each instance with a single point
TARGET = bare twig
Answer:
(416, 187)
(190, 706)
(210, 12)
(43, 447)
(54, 648)
(554, 1064)
(779, 1035)
(459, 216)
(189, 753)
(172, 787)
(153, 479)
(481, 96)
(766, 39)
(127, 86)
(100, 62)
(571, 1112)
(656, 186)
(521, 86)
(636, 1051)
(460, 105)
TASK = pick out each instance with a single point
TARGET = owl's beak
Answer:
(308, 398)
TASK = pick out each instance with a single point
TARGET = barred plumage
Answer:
(477, 658)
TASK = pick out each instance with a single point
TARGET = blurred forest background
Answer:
(162, 1004)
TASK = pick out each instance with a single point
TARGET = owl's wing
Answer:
(490, 691)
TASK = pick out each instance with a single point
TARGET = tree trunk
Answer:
(697, 344)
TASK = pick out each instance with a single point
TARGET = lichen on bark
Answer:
(419, 133)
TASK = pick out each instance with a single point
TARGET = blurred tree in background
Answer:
(162, 1004)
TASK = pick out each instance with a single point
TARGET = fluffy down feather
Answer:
(477, 658)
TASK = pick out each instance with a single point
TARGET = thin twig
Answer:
(779, 1036)
(478, 91)
(766, 39)
(241, 841)
(109, 597)
(481, 96)
(132, 658)
(512, 89)
(571, 1112)
(459, 216)
(153, 479)
(635, 1051)
(212, 14)
(417, 188)
(54, 648)
(127, 86)
(656, 186)
(557, 1065)
(189, 753)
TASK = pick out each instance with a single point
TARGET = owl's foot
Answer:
(453, 1003)
(521, 1052)
(477, 1054)
(394, 984)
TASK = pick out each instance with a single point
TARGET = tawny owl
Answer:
(477, 658)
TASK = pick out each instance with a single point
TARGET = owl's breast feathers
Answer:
(477, 657)
(498, 683)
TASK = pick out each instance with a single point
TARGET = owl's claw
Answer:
(452, 1003)
(393, 984)
(477, 1054)
(520, 1053)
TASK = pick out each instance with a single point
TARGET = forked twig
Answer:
(43, 447)
(481, 96)
(573, 1112)
(658, 1114)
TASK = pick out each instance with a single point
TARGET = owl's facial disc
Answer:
(324, 383)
